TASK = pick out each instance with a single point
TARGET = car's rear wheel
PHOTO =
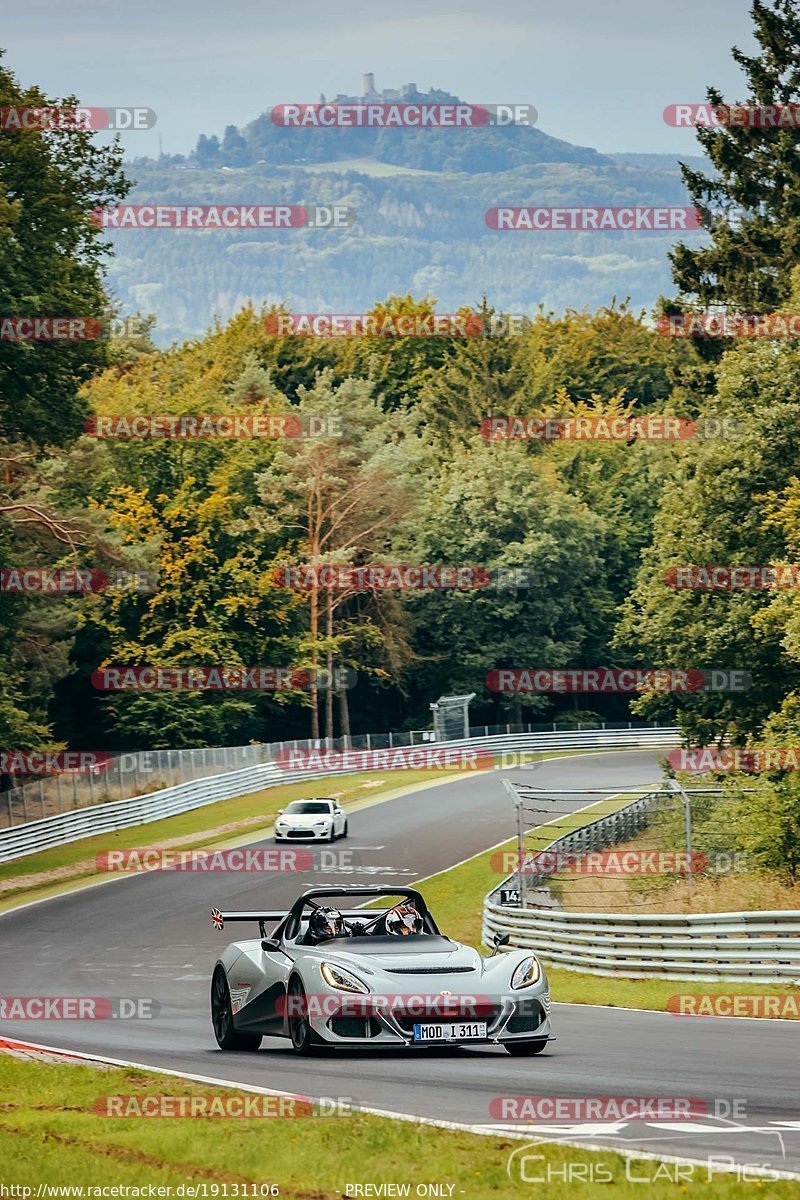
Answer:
(227, 1037)
(300, 1031)
(524, 1049)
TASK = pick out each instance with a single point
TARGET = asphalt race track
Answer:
(151, 936)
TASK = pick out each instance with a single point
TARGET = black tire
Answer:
(525, 1049)
(344, 831)
(227, 1037)
(332, 834)
(300, 1031)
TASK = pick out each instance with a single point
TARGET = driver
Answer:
(324, 923)
(403, 920)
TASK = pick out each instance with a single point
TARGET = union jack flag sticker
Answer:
(216, 917)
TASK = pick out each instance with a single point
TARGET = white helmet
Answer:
(403, 920)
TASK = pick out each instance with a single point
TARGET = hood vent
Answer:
(429, 970)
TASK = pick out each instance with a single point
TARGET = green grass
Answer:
(49, 1134)
(456, 899)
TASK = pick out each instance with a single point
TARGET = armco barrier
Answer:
(758, 946)
(32, 836)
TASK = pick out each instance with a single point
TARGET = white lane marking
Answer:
(479, 1130)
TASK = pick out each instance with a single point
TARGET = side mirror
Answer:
(500, 939)
(270, 944)
(280, 810)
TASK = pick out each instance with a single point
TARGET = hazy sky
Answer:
(599, 74)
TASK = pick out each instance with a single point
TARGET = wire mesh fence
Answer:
(630, 851)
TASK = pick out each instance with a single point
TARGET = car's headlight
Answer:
(325, 822)
(342, 980)
(527, 973)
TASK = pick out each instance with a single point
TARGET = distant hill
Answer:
(420, 197)
(474, 151)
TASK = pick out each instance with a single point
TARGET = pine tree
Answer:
(752, 207)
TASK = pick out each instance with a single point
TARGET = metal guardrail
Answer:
(71, 826)
(757, 946)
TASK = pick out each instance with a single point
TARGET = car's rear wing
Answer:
(219, 918)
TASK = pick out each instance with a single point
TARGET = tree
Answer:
(207, 151)
(497, 508)
(342, 499)
(752, 205)
(50, 264)
(234, 150)
(482, 377)
(181, 502)
(719, 508)
(397, 366)
(599, 354)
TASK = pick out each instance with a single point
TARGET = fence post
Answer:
(687, 829)
(521, 852)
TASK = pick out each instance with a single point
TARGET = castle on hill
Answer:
(406, 92)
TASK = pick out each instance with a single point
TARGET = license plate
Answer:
(450, 1031)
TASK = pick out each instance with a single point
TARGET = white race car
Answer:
(317, 820)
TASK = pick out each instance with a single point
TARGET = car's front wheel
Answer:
(228, 1038)
(300, 1031)
(344, 828)
(524, 1049)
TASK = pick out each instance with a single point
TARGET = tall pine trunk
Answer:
(314, 631)
(344, 717)
(329, 666)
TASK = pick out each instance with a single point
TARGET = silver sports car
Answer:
(372, 977)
